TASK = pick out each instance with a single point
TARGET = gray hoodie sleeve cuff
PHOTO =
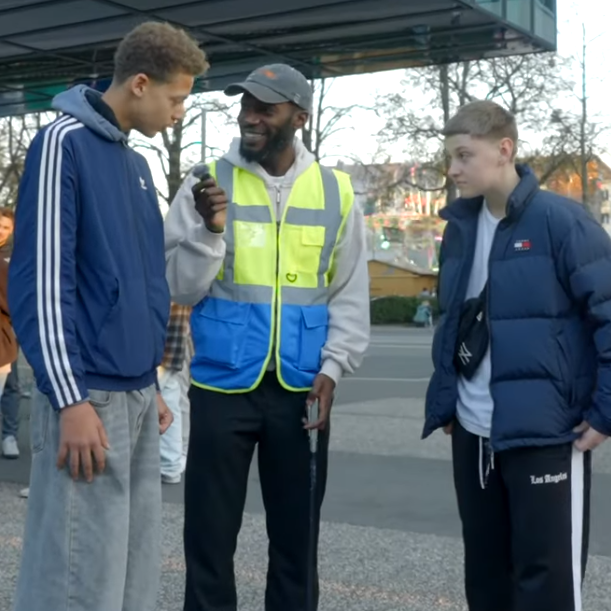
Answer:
(202, 235)
(332, 370)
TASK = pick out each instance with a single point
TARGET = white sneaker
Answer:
(25, 493)
(171, 479)
(10, 449)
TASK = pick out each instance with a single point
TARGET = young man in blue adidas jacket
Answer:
(91, 303)
(522, 380)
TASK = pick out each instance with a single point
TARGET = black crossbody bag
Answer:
(473, 335)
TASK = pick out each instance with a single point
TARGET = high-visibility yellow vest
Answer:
(272, 289)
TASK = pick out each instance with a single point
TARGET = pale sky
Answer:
(360, 138)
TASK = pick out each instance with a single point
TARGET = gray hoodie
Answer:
(194, 257)
(76, 103)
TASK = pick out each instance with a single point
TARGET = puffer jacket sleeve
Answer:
(585, 264)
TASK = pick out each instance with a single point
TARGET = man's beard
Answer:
(276, 143)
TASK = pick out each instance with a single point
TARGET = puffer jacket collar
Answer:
(466, 208)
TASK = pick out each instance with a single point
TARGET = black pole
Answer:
(311, 598)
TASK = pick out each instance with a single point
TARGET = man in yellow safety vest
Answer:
(270, 251)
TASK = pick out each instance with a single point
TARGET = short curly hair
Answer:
(160, 51)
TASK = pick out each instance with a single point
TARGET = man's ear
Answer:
(138, 84)
(300, 119)
(507, 149)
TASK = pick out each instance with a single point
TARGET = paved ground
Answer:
(390, 539)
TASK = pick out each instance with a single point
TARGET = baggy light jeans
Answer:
(3, 378)
(94, 547)
(171, 442)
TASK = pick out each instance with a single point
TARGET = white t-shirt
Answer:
(474, 409)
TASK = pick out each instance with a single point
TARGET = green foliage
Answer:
(395, 310)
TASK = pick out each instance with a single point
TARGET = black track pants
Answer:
(525, 518)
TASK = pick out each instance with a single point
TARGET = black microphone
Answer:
(202, 172)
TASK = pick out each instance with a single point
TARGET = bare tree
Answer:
(326, 120)
(16, 134)
(13, 146)
(178, 148)
(442, 89)
(532, 87)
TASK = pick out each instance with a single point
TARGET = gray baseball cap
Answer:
(275, 84)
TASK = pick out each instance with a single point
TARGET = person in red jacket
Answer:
(8, 341)
(10, 392)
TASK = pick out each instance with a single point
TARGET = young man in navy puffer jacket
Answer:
(523, 422)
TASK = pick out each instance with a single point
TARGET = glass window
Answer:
(545, 20)
(494, 6)
(519, 13)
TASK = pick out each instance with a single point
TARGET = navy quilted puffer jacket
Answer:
(549, 314)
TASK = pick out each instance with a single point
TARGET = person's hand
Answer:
(165, 415)
(82, 439)
(211, 204)
(322, 391)
(448, 429)
(590, 438)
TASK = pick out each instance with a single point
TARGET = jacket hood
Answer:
(303, 160)
(74, 102)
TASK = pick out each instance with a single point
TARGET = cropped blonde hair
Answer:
(483, 119)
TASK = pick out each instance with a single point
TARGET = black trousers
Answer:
(224, 432)
(525, 517)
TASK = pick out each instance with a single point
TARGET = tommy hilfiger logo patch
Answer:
(521, 245)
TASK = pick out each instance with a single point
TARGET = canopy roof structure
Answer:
(48, 45)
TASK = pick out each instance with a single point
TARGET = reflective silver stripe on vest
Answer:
(224, 179)
(249, 293)
(330, 218)
(292, 295)
(252, 214)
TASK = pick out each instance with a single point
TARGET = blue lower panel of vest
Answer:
(303, 333)
(231, 341)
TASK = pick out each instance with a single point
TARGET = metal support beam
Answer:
(46, 53)
(27, 7)
(244, 45)
(332, 38)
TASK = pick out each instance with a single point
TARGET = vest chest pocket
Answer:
(302, 249)
(220, 332)
(312, 243)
